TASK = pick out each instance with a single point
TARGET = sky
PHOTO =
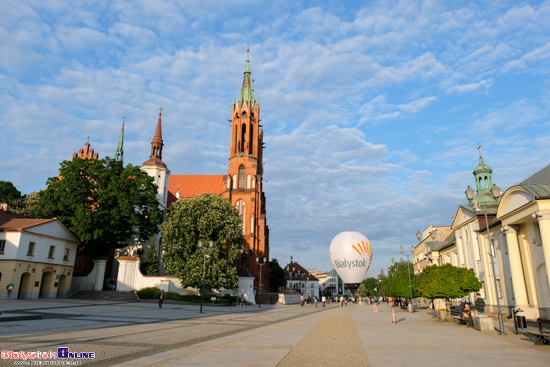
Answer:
(372, 110)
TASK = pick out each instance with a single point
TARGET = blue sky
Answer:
(372, 111)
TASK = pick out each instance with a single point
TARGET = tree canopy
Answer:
(276, 276)
(396, 284)
(203, 218)
(102, 203)
(446, 281)
(25, 203)
(370, 285)
(8, 192)
(150, 265)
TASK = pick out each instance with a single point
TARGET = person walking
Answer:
(374, 306)
(161, 298)
(394, 312)
(480, 305)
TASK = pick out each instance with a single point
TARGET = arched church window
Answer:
(244, 141)
(228, 182)
(241, 207)
(251, 139)
(241, 177)
(253, 182)
(248, 181)
(234, 181)
(252, 223)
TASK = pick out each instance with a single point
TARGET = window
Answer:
(66, 254)
(2, 246)
(51, 252)
(30, 251)
(242, 177)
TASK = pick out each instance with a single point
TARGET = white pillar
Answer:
(100, 274)
(543, 216)
(516, 268)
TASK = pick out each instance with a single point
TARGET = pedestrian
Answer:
(480, 305)
(161, 298)
(374, 306)
(315, 301)
(323, 301)
(341, 301)
(394, 313)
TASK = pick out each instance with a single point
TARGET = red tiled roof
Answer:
(16, 222)
(298, 268)
(192, 185)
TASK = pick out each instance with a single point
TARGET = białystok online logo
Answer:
(62, 353)
(361, 248)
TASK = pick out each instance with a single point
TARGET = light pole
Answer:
(290, 271)
(260, 285)
(411, 306)
(205, 256)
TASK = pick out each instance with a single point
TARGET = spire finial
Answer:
(479, 148)
(160, 109)
(88, 137)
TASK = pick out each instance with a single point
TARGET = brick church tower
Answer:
(243, 183)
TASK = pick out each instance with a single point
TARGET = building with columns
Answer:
(504, 238)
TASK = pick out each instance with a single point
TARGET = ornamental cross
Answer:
(479, 148)
(160, 109)
(88, 137)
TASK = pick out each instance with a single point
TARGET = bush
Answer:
(149, 293)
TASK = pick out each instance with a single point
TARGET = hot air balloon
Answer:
(351, 256)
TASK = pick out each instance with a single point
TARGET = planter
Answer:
(483, 323)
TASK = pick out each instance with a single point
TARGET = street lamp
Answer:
(290, 271)
(260, 285)
(495, 191)
(411, 306)
(205, 256)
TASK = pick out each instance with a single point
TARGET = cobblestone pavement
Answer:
(139, 334)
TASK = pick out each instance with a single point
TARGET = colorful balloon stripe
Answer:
(362, 248)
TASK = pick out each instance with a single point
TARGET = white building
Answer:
(36, 256)
(301, 280)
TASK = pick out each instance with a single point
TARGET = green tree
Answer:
(150, 265)
(102, 203)
(446, 282)
(397, 282)
(276, 276)
(362, 290)
(26, 203)
(203, 218)
(370, 285)
(8, 192)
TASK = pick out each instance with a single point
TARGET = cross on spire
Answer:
(479, 148)
(160, 109)
(88, 137)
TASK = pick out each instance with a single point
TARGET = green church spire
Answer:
(247, 91)
(119, 154)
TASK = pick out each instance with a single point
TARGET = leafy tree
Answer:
(8, 192)
(362, 290)
(203, 218)
(370, 285)
(276, 276)
(150, 265)
(102, 203)
(397, 282)
(25, 204)
(446, 281)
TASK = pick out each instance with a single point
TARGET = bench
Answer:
(459, 315)
(540, 337)
(404, 306)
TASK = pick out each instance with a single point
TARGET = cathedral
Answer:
(242, 184)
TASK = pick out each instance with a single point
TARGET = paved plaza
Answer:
(141, 334)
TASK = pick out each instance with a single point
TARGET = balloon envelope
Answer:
(351, 255)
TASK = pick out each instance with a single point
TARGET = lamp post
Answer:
(205, 256)
(290, 271)
(411, 306)
(260, 285)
